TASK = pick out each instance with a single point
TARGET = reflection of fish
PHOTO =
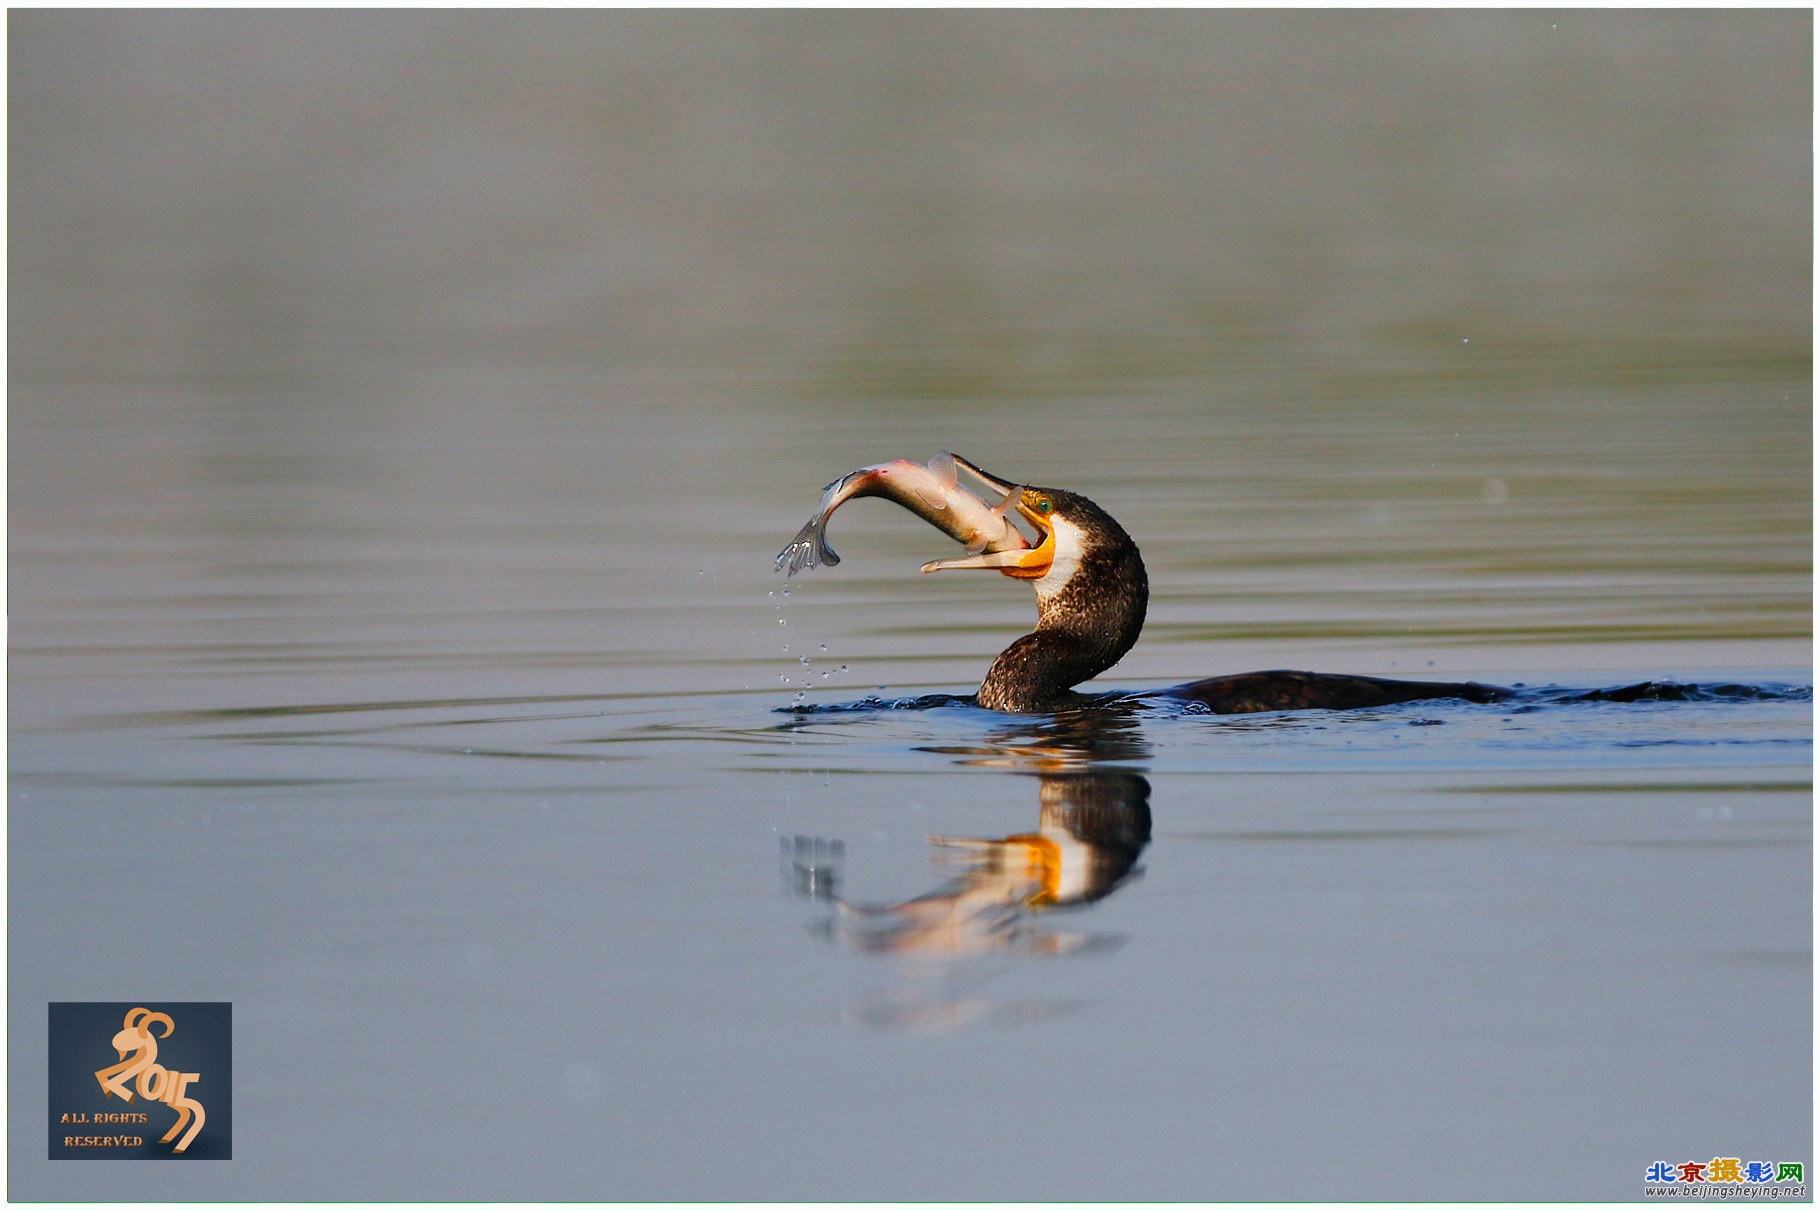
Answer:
(932, 492)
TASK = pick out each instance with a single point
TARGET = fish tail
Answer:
(809, 548)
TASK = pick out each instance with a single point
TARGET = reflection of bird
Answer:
(1091, 593)
(1090, 831)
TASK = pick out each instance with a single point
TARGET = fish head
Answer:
(1040, 507)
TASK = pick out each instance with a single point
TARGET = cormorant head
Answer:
(1085, 568)
(1072, 532)
(1088, 575)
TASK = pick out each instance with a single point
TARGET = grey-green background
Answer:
(405, 409)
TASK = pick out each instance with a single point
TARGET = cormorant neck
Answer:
(1085, 624)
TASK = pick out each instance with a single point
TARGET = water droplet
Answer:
(783, 678)
(786, 590)
(824, 646)
(781, 622)
(803, 660)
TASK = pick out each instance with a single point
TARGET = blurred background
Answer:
(384, 384)
(534, 316)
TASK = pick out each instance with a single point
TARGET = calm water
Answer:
(405, 411)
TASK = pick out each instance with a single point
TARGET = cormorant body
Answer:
(1091, 597)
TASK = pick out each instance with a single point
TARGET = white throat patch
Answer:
(1070, 543)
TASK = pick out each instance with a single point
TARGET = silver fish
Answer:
(932, 492)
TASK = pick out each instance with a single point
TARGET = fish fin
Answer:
(943, 466)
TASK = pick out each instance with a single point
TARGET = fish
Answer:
(933, 492)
